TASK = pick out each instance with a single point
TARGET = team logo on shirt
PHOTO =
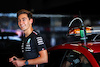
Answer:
(40, 40)
(28, 40)
(27, 46)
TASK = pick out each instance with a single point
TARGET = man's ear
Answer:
(31, 20)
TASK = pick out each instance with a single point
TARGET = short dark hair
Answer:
(23, 11)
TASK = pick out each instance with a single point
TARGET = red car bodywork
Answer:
(93, 46)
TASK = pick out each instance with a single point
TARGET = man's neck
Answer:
(28, 32)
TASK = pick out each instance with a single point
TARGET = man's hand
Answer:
(12, 58)
(18, 63)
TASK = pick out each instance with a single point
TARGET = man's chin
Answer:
(23, 29)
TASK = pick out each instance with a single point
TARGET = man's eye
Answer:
(24, 19)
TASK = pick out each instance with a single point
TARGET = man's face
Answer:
(24, 22)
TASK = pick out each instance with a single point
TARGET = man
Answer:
(33, 48)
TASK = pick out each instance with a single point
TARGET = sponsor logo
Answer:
(40, 40)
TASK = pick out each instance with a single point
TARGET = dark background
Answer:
(71, 7)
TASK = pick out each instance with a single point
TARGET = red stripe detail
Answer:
(36, 65)
(34, 32)
(43, 49)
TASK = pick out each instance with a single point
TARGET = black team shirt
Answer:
(31, 46)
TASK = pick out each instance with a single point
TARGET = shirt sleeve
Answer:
(40, 43)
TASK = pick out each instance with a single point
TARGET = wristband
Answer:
(26, 62)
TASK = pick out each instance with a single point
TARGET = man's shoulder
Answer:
(35, 33)
(38, 37)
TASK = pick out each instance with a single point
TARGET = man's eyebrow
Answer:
(22, 18)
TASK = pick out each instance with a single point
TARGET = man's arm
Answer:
(43, 58)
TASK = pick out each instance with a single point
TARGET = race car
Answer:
(76, 54)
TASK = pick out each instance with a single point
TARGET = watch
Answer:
(26, 62)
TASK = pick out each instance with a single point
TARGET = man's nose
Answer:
(21, 22)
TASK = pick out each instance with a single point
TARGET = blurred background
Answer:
(51, 19)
